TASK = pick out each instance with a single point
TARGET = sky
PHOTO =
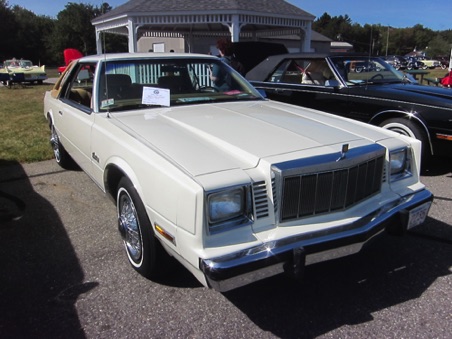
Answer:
(435, 15)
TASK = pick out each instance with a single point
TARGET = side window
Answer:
(294, 72)
(317, 72)
(277, 75)
(80, 89)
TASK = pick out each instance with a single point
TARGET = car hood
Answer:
(416, 94)
(210, 138)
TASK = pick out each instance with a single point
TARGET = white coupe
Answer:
(236, 187)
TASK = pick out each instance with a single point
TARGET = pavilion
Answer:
(198, 21)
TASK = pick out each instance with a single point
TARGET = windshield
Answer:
(143, 83)
(18, 63)
(365, 70)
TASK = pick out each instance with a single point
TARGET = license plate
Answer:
(417, 215)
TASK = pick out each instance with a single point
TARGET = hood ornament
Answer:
(343, 152)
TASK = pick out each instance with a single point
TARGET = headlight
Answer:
(227, 208)
(400, 164)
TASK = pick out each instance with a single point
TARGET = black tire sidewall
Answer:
(147, 266)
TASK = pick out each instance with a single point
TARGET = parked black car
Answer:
(378, 95)
(397, 61)
(414, 63)
(444, 61)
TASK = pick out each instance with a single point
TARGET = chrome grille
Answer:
(324, 186)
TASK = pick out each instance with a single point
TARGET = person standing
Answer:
(219, 76)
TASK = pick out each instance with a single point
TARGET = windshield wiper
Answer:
(118, 108)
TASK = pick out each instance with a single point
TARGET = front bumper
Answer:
(292, 254)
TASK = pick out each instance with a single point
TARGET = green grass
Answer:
(24, 130)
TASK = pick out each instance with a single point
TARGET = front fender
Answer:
(378, 118)
(115, 169)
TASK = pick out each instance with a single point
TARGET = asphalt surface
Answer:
(64, 274)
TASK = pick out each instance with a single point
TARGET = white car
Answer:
(430, 63)
(21, 71)
(234, 186)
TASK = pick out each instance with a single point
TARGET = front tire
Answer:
(410, 129)
(144, 251)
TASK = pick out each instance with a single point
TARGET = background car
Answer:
(444, 61)
(379, 95)
(430, 63)
(21, 70)
(235, 187)
(69, 54)
(414, 63)
(397, 61)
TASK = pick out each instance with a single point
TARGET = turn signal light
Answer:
(165, 234)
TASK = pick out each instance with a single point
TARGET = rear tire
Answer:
(143, 249)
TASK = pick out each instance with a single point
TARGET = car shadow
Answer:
(41, 277)
(389, 271)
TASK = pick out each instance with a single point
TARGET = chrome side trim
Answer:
(240, 268)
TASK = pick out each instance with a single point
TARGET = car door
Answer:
(74, 117)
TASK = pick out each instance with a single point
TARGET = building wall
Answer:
(147, 44)
(206, 45)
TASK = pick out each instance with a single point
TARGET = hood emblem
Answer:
(343, 152)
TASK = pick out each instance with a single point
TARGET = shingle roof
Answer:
(276, 7)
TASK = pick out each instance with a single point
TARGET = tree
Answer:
(382, 40)
(438, 46)
(30, 31)
(7, 27)
(73, 29)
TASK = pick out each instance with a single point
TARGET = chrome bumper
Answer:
(292, 254)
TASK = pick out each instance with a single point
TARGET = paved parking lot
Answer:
(64, 275)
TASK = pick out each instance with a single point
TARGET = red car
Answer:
(69, 55)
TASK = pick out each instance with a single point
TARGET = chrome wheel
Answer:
(61, 156)
(55, 142)
(144, 251)
(129, 227)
